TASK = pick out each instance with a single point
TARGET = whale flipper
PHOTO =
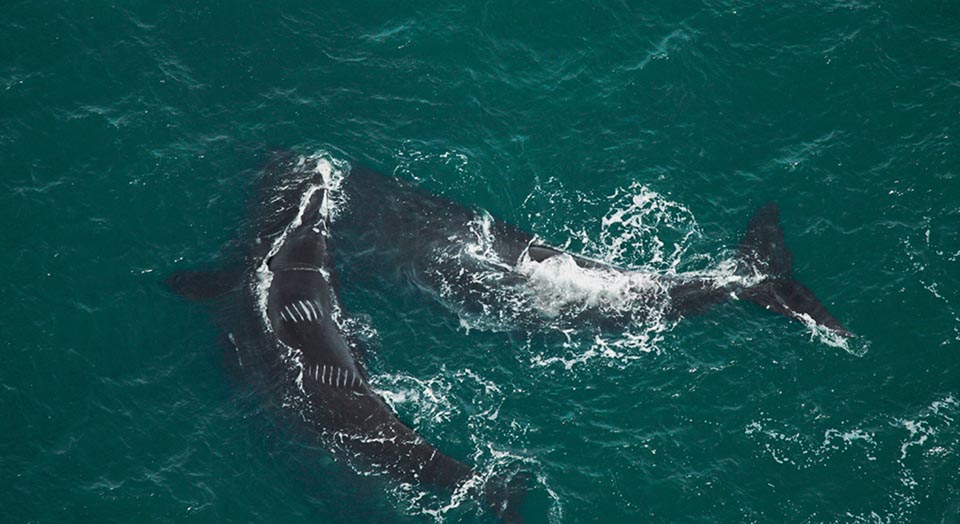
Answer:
(764, 251)
(203, 285)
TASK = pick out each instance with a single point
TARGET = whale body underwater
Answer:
(278, 302)
(279, 308)
(477, 264)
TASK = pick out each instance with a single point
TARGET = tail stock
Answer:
(764, 251)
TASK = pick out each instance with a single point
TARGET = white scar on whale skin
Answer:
(299, 311)
(311, 309)
(345, 377)
(315, 309)
(302, 311)
(305, 311)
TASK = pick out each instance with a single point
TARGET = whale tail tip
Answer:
(764, 251)
(506, 494)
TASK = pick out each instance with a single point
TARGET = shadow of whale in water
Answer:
(281, 312)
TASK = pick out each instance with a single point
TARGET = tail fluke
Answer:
(792, 299)
(764, 251)
(506, 495)
(763, 248)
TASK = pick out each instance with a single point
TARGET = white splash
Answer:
(436, 403)
(557, 283)
(637, 227)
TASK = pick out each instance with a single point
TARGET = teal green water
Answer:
(130, 135)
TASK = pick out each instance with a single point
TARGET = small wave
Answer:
(427, 400)
(791, 446)
(617, 350)
(917, 445)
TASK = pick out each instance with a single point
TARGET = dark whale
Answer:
(280, 310)
(397, 230)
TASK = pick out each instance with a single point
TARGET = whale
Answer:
(477, 264)
(277, 302)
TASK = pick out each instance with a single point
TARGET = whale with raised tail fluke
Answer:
(484, 266)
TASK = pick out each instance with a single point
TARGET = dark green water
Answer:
(644, 134)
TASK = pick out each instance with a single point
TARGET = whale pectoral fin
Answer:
(202, 285)
(539, 253)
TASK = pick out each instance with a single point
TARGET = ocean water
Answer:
(642, 134)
